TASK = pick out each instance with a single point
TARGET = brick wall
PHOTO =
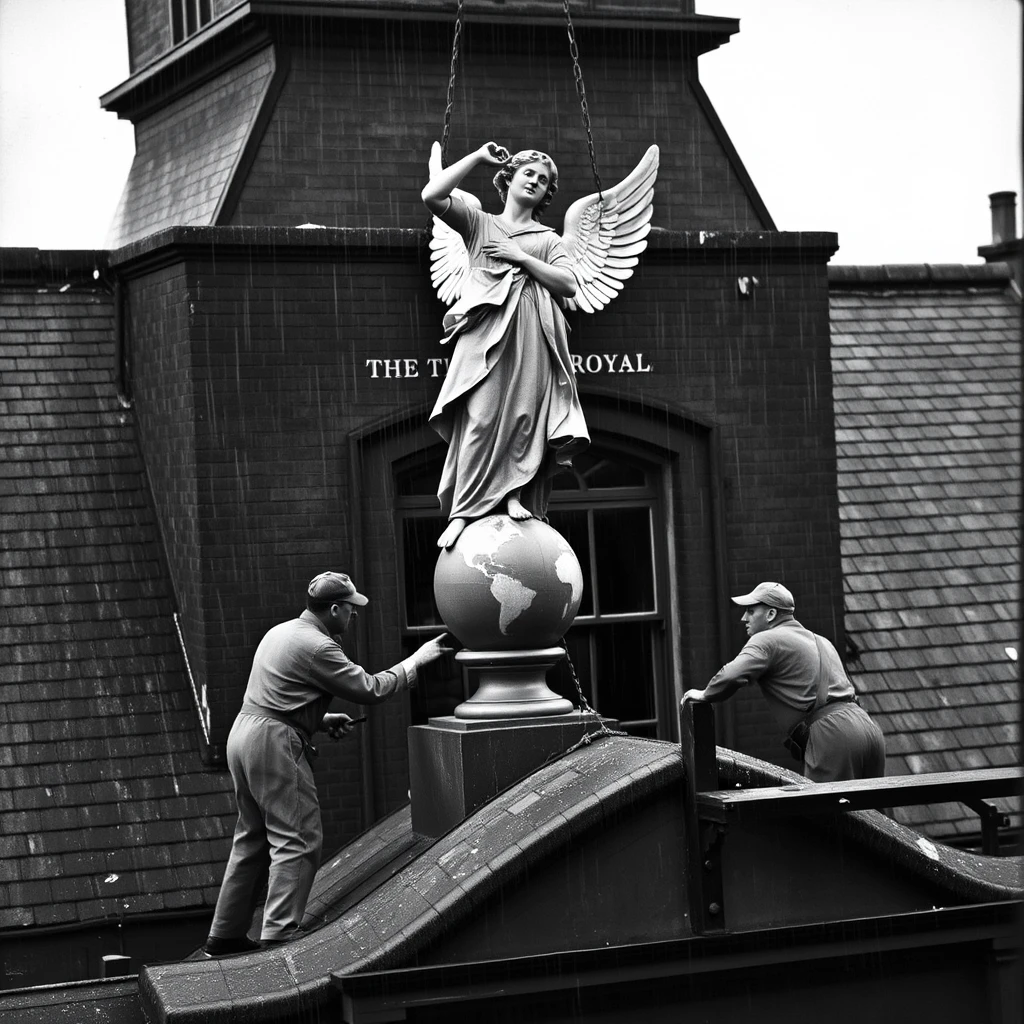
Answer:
(252, 384)
(269, 330)
(149, 28)
(187, 153)
(348, 141)
(157, 318)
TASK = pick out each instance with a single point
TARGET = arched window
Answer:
(609, 508)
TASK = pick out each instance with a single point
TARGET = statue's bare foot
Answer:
(451, 534)
(516, 509)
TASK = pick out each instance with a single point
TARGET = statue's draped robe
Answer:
(508, 408)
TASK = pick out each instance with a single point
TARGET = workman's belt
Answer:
(833, 705)
(259, 711)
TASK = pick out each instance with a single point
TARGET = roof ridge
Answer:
(916, 274)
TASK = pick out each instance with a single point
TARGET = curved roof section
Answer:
(383, 922)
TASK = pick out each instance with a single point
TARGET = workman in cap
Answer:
(298, 668)
(809, 691)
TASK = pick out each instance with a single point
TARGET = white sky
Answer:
(887, 121)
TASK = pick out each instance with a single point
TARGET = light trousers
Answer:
(278, 837)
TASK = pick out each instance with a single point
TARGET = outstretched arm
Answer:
(437, 191)
(747, 667)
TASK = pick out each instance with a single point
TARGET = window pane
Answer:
(565, 481)
(420, 475)
(601, 470)
(627, 671)
(572, 525)
(613, 473)
(419, 547)
(625, 569)
(177, 22)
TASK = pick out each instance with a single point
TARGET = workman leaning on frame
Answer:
(298, 668)
(807, 688)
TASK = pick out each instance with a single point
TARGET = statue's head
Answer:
(504, 177)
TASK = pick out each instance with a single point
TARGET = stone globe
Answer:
(508, 585)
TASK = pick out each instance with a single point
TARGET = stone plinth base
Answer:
(458, 764)
(511, 684)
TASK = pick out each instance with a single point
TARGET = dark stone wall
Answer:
(256, 382)
(349, 137)
(157, 317)
(270, 430)
(149, 28)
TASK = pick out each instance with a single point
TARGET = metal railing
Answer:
(710, 811)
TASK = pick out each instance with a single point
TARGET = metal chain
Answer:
(603, 730)
(581, 91)
(577, 74)
(452, 71)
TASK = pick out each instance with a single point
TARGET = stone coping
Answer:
(293, 243)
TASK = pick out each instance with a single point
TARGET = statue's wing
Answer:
(605, 236)
(449, 260)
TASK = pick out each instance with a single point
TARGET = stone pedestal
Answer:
(457, 764)
(511, 684)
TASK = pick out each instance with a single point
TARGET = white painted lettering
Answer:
(640, 368)
(577, 363)
(412, 368)
(392, 367)
(610, 360)
(626, 366)
(593, 364)
(373, 364)
(435, 363)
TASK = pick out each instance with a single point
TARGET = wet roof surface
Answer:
(926, 381)
(411, 902)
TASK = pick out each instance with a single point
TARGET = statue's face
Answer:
(530, 183)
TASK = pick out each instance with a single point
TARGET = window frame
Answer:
(588, 499)
(188, 18)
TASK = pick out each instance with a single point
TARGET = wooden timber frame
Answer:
(710, 811)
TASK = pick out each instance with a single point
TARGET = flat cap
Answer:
(775, 595)
(335, 586)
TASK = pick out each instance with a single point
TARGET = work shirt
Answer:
(783, 661)
(299, 667)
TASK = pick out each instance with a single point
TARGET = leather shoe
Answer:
(216, 946)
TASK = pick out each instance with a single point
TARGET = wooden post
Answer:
(703, 838)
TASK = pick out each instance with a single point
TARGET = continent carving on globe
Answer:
(508, 584)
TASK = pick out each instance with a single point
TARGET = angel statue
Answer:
(509, 407)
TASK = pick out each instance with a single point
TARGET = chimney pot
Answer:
(1004, 216)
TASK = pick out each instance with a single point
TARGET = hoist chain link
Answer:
(581, 91)
(452, 72)
(585, 707)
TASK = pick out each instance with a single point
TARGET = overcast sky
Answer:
(887, 121)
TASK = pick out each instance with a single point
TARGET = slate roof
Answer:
(926, 378)
(105, 809)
